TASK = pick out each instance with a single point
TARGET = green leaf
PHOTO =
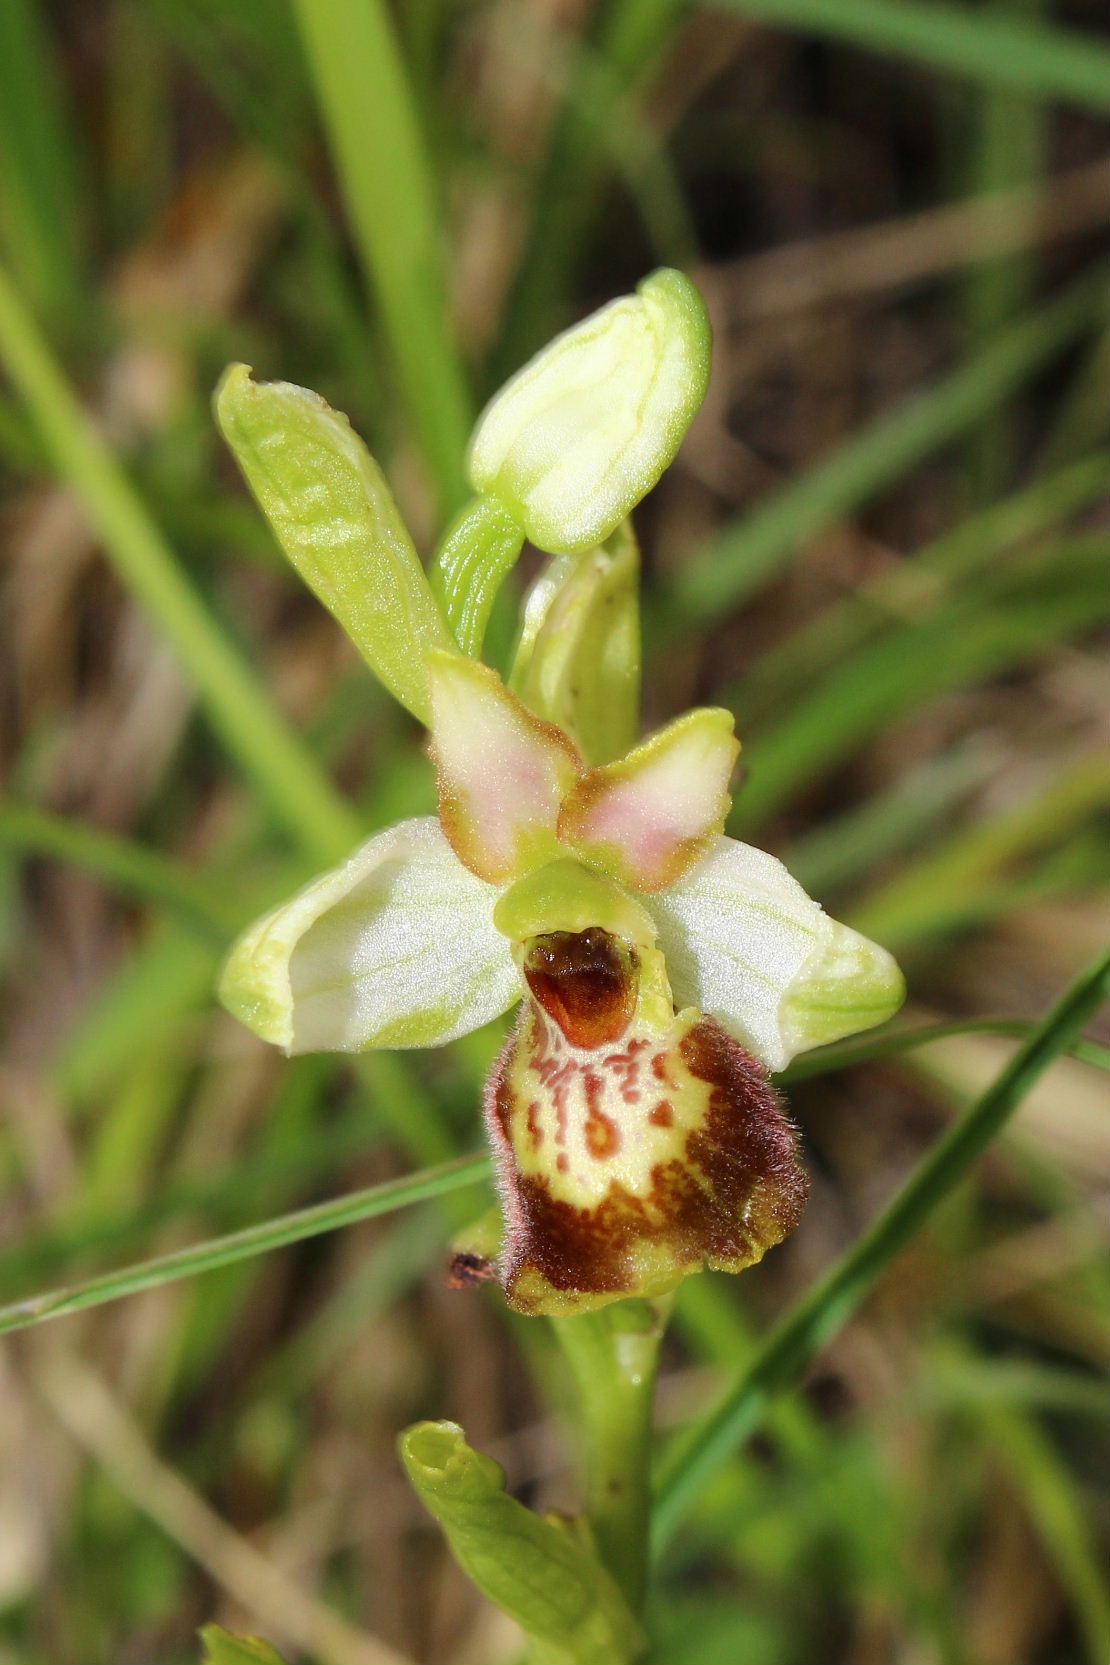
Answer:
(539, 1571)
(335, 518)
(389, 192)
(479, 549)
(748, 552)
(577, 662)
(585, 429)
(222, 1648)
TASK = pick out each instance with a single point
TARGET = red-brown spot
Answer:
(562, 1162)
(662, 1114)
(585, 981)
(535, 1132)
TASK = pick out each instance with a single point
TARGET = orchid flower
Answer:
(664, 970)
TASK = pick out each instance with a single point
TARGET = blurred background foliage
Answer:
(880, 545)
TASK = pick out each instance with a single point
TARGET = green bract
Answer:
(578, 436)
(222, 1648)
(335, 518)
(540, 1571)
(577, 661)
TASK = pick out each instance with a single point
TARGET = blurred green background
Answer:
(880, 546)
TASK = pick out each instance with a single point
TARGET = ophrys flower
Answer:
(664, 969)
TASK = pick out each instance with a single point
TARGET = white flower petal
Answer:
(394, 948)
(745, 944)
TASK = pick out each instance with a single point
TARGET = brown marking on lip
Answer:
(662, 1114)
(601, 1133)
(585, 981)
(736, 1192)
(535, 1132)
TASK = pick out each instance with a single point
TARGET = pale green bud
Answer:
(577, 663)
(584, 430)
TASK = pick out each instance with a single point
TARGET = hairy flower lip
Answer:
(641, 1167)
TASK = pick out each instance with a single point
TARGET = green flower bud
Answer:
(577, 663)
(583, 432)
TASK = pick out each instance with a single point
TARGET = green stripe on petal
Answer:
(746, 944)
(395, 948)
(854, 984)
(584, 430)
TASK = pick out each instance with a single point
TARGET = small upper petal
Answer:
(746, 944)
(502, 772)
(650, 817)
(394, 948)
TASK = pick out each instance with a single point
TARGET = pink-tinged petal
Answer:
(502, 773)
(632, 1147)
(649, 817)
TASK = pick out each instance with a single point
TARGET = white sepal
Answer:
(745, 944)
(394, 948)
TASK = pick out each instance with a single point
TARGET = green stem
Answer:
(613, 1357)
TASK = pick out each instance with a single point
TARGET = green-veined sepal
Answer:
(744, 943)
(394, 948)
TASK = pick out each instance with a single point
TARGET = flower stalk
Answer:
(613, 1359)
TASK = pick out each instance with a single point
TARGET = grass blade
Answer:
(1046, 61)
(842, 1055)
(130, 865)
(388, 189)
(1015, 618)
(831, 1302)
(38, 190)
(268, 752)
(749, 552)
(367, 1204)
(900, 592)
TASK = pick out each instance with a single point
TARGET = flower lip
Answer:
(586, 981)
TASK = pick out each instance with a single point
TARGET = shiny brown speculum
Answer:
(586, 981)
